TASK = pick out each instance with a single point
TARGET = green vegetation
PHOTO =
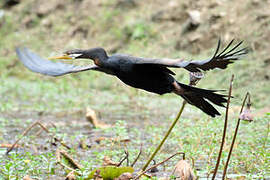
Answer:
(139, 116)
(111, 172)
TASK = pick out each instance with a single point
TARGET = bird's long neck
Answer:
(101, 60)
(99, 56)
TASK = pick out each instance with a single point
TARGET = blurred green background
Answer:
(173, 29)
(150, 28)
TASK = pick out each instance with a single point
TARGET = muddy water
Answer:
(75, 128)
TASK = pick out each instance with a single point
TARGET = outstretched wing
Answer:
(43, 66)
(219, 60)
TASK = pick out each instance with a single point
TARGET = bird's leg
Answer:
(195, 77)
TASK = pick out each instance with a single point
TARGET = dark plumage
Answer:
(151, 75)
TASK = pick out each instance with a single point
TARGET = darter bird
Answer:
(148, 74)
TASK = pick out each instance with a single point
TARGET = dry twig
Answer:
(121, 161)
(127, 156)
(224, 129)
(58, 154)
(58, 160)
(156, 165)
(138, 156)
(23, 134)
(70, 176)
(28, 129)
(70, 159)
(234, 136)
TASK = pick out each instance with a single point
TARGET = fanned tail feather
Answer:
(200, 97)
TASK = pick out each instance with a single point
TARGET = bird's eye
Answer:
(68, 52)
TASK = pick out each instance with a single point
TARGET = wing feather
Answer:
(219, 60)
(43, 66)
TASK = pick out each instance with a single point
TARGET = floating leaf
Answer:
(110, 172)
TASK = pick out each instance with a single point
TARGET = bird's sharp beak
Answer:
(65, 56)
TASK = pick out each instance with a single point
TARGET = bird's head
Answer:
(94, 54)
